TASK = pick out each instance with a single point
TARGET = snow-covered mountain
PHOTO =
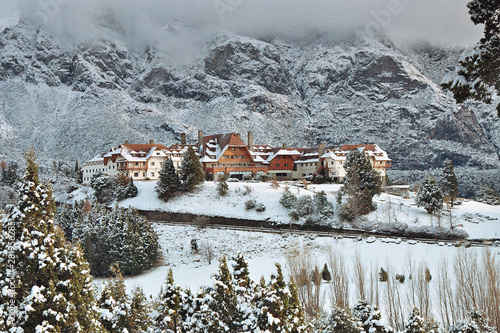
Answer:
(73, 102)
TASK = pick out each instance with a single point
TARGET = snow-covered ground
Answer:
(479, 220)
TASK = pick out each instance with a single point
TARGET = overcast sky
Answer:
(141, 21)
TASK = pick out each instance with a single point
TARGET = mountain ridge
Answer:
(350, 90)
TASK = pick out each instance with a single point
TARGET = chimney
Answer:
(127, 142)
(238, 135)
(321, 149)
(151, 142)
(250, 141)
(200, 139)
(284, 146)
(183, 138)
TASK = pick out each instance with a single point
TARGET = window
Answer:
(277, 165)
(225, 157)
(143, 163)
(152, 163)
(144, 174)
(239, 149)
(136, 163)
(286, 164)
(233, 149)
(152, 174)
(136, 174)
(242, 157)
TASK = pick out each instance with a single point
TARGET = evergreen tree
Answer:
(201, 317)
(476, 323)
(280, 306)
(191, 170)
(129, 191)
(477, 72)
(222, 187)
(415, 323)
(370, 318)
(487, 195)
(361, 183)
(224, 300)
(449, 183)
(288, 199)
(139, 312)
(114, 304)
(429, 196)
(167, 315)
(45, 282)
(325, 274)
(168, 182)
(340, 321)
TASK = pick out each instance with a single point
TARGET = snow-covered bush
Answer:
(250, 204)
(222, 187)
(260, 207)
(304, 206)
(288, 199)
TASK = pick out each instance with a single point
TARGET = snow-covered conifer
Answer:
(361, 182)
(415, 323)
(340, 321)
(429, 196)
(166, 315)
(168, 182)
(45, 282)
(487, 195)
(449, 183)
(370, 318)
(191, 170)
(288, 199)
(222, 187)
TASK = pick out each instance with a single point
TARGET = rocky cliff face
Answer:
(72, 103)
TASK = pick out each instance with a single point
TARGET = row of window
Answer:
(234, 157)
(144, 174)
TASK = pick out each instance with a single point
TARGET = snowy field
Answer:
(262, 250)
(479, 220)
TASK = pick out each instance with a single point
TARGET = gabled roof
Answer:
(214, 146)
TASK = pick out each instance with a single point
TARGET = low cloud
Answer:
(180, 26)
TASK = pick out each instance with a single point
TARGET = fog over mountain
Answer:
(143, 22)
(293, 72)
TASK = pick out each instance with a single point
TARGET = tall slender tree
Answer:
(449, 183)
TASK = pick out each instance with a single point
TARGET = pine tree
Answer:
(168, 306)
(340, 321)
(224, 298)
(476, 323)
(288, 199)
(139, 312)
(487, 195)
(114, 303)
(325, 274)
(280, 306)
(370, 318)
(415, 323)
(191, 170)
(45, 283)
(477, 72)
(168, 182)
(449, 183)
(429, 196)
(361, 183)
(222, 187)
